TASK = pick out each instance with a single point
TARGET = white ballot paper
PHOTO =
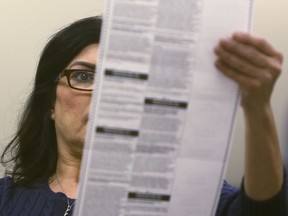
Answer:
(162, 116)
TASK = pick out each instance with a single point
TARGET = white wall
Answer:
(25, 27)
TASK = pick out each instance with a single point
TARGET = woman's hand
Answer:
(255, 65)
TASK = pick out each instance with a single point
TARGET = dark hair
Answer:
(32, 152)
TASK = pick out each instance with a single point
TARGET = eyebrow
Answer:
(85, 64)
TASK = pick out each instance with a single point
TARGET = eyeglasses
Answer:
(80, 79)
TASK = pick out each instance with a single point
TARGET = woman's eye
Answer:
(83, 76)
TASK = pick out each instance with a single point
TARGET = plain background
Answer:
(25, 27)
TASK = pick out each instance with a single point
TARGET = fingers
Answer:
(248, 55)
(234, 57)
(251, 62)
(260, 43)
(243, 80)
(241, 51)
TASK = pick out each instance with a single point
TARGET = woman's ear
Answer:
(52, 114)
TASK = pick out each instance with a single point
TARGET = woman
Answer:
(47, 156)
(46, 150)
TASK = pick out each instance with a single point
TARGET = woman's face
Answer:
(71, 108)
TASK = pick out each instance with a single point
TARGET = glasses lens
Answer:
(82, 79)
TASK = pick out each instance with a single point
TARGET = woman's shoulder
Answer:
(38, 198)
(229, 198)
(5, 183)
(6, 179)
(6, 187)
(9, 190)
(228, 190)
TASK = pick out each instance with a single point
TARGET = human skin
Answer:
(255, 65)
(248, 60)
(70, 115)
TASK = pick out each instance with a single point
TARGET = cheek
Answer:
(72, 105)
(64, 106)
(64, 103)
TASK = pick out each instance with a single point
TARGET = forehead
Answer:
(87, 58)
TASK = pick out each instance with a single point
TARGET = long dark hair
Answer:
(32, 152)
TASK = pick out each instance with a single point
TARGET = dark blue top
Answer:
(39, 200)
